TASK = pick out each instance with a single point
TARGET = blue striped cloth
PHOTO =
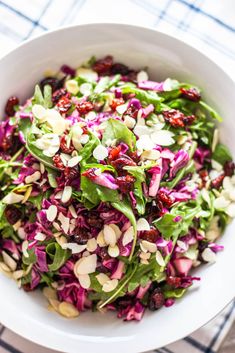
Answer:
(207, 24)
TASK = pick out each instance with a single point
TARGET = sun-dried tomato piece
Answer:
(57, 161)
(64, 104)
(217, 182)
(229, 167)
(84, 107)
(150, 235)
(116, 102)
(166, 199)
(191, 94)
(64, 147)
(177, 119)
(122, 162)
(114, 153)
(10, 106)
(125, 183)
(103, 66)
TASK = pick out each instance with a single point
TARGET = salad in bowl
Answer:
(114, 189)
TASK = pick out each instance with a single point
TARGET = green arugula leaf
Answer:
(86, 151)
(173, 293)
(117, 130)
(58, 256)
(211, 111)
(44, 99)
(31, 259)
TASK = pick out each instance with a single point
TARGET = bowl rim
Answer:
(20, 329)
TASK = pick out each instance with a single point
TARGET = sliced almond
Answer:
(182, 245)
(109, 235)
(58, 195)
(68, 310)
(129, 121)
(51, 213)
(9, 261)
(40, 236)
(84, 281)
(54, 303)
(56, 226)
(142, 224)
(145, 255)
(113, 251)
(33, 177)
(62, 240)
(221, 202)
(144, 262)
(12, 198)
(64, 222)
(88, 74)
(230, 210)
(73, 211)
(102, 278)
(110, 285)
(91, 245)
(148, 246)
(160, 259)
(74, 247)
(142, 76)
(150, 155)
(74, 161)
(85, 265)
(72, 86)
(25, 245)
(128, 236)
(100, 153)
(21, 233)
(17, 225)
(116, 230)
(49, 293)
(100, 239)
(18, 274)
(67, 193)
(208, 255)
(215, 140)
(4, 267)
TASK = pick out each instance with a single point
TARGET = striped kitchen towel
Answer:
(208, 24)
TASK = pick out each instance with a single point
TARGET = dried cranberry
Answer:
(150, 235)
(204, 176)
(59, 93)
(81, 236)
(71, 173)
(27, 287)
(114, 152)
(122, 162)
(229, 167)
(53, 82)
(189, 119)
(132, 76)
(64, 147)
(156, 299)
(217, 182)
(10, 106)
(116, 102)
(84, 107)
(6, 143)
(97, 106)
(68, 70)
(64, 104)
(12, 214)
(95, 221)
(134, 156)
(191, 94)
(124, 302)
(104, 65)
(174, 281)
(119, 69)
(57, 161)
(103, 254)
(125, 183)
(167, 200)
(132, 111)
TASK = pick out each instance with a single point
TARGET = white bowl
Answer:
(165, 56)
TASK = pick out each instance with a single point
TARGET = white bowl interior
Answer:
(165, 57)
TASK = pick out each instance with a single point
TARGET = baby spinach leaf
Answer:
(44, 99)
(145, 96)
(86, 151)
(221, 154)
(117, 130)
(173, 293)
